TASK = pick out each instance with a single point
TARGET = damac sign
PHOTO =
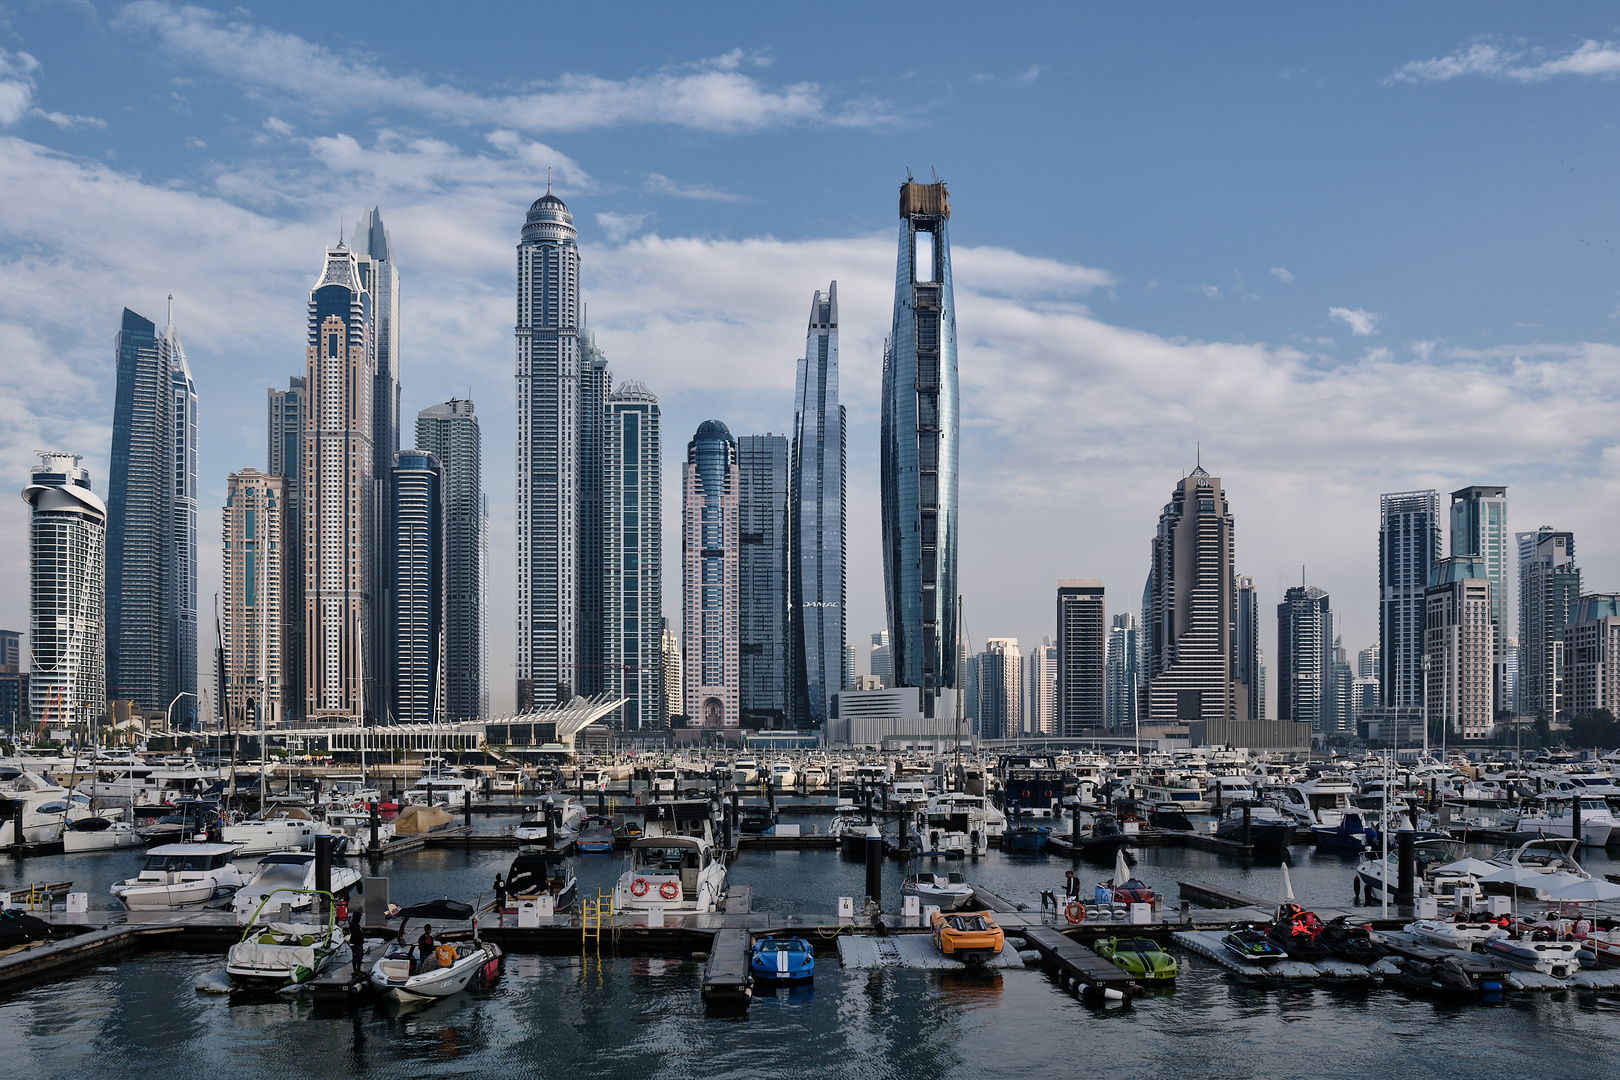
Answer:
(821, 603)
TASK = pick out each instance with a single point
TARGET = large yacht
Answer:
(1319, 801)
(677, 873)
(180, 876)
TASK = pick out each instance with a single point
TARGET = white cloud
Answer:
(715, 96)
(1360, 322)
(1030, 74)
(1282, 274)
(65, 120)
(619, 226)
(16, 85)
(663, 185)
(1592, 59)
(1211, 291)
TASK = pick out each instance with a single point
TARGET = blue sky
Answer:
(1348, 249)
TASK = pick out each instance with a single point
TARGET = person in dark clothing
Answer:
(500, 893)
(357, 940)
(1071, 886)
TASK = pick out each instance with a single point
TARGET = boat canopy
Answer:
(445, 910)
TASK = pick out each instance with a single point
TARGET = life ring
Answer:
(669, 890)
(640, 886)
(1075, 912)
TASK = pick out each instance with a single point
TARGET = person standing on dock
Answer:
(500, 894)
(357, 940)
(1071, 886)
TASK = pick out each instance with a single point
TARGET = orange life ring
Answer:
(640, 886)
(669, 890)
(1075, 912)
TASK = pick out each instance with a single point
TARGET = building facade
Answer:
(1247, 670)
(592, 674)
(764, 598)
(1122, 675)
(1408, 548)
(817, 507)
(709, 578)
(1001, 689)
(1305, 658)
(13, 684)
(1040, 689)
(634, 645)
(918, 450)
(256, 594)
(417, 587)
(1459, 641)
(1592, 656)
(288, 410)
(673, 702)
(880, 659)
(1081, 647)
(450, 432)
(152, 525)
(1549, 583)
(67, 553)
(379, 277)
(1479, 530)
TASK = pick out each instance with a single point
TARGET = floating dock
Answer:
(726, 977)
(913, 950)
(1076, 966)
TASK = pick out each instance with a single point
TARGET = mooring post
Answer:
(874, 866)
(374, 823)
(1403, 883)
(323, 867)
(466, 808)
(1575, 818)
(18, 851)
(1246, 837)
(551, 827)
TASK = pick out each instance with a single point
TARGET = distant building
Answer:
(1122, 673)
(1001, 692)
(1549, 583)
(13, 683)
(1081, 648)
(1408, 548)
(67, 551)
(880, 658)
(1510, 677)
(1459, 637)
(1342, 720)
(636, 666)
(1305, 658)
(256, 593)
(1479, 530)
(709, 576)
(674, 699)
(417, 587)
(1247, 666)
(288, 410)
(1592, 656)
(1040, 689)
(765, 661)
(450, 432)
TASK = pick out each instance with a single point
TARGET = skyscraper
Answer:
(67, 552)
(1247, 658)
(817, 527)
(549, 403)
(152, 524)
(13, 683)
(1040, 689)
(673, 702)
(1408, 547)
(919, 450)
(288, 411)
(1305, 658)
(709, 573)
(1081, 648)
(1193, 608)
(1342, 721)
(1592, 656)
(635, 650)
(591, 672)
(1549, 583)
(450, 433)
(416, 587)
(254, 527)
(1122, 673)
(1001, 689)
(881, 663)
(765, 662)
(1458, 637)
(379, 278)
(337, 499)
(1479, 530)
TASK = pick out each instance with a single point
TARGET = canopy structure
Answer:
(445, 910)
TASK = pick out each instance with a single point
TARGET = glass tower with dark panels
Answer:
(416, 593)
(1305, 658)
(632, 553)
(709, 577)
(152, 525)
(1408, 548)
(1247, 665)
(817, 506)
(1082, 644)
(450, 433)
(764, 667)
(595, 384)
(67, 550)
(1479, 530)
(379, 277)
(919, 450)
(1549, 584)
(287, 411)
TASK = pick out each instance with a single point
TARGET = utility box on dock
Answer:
(1499, 905)
(376, 909)
(846, 907)
(532, 914)
(785, 830)
(1427, 907)
(911, 908)
(5, 901)
(78, 902)
(655, 917)
(1141, 914)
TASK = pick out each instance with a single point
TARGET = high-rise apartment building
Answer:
(1479, 530)
(1040, 689)
(765, 695)
(1408, 548)
(673, 701)
(416, 627)
(635, 640)
(1247, 657)
(1192, 610)
(817, 509)
(1001, 690)
(256, 592)
(288, 410)
(848, 680)
(1592, 656)
(1459, 640)
(379, 279)
(1305, 658)
(709, 577)
(1342, 695)
(591, 667)
(450, 432)
(1122, 674)
(338, 503)
(880, 659)
(1549, 583)
(152, 524)
(67, 552)
(919, 450)
(1509, 698)
(13, 684)
(1081, 647)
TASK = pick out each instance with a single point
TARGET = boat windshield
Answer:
(173, 863)
(668, 858)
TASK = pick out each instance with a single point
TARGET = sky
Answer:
(1333, 251)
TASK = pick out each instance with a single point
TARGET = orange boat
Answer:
(972, 936)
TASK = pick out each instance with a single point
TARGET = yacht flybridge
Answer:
(677, 873)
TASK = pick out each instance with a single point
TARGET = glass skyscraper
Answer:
(919, 450)
(254, 531)
(67, 550)
(1408, 548)
(818, 529)
(1305, 658)
(709, 570)
(284, 453)
(416, 586)
(632, 554)
(379, 277)
(450, 432)
(1479, 530)
(151, 571)
(1082, 643)
(763, 600)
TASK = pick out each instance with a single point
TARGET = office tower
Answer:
(67, 551)
(1408, 547)
(256, 591)
(152, 524)
(549, 401)
(1591, 656)
(1122, 674)
(674, 700)
(379, 279)
(818, 530)
(1040, 688)
(1192, 616)
(919, 450)
(1246, 661)
(288, 410)
(450, 433)
(1305, 655)
(1367, 663)
(967, 684)
(1479, 530)
(417, 586)
(1081, 645)
(880, 659)
(1001, 689)
(709, 577)
(591, 674)
(1260, 683)
(13, 684)
(849, 668)
(765, 695)
(1459, 643)
(1342, 719)
(1549, 583)
(635, 639)
(337, 500)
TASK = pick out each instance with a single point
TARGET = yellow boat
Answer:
(967, 935)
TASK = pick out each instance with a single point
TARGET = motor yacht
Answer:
(570, 815)
(666, 780)
(46, 808)
(1270, 830)
(1554, 817)
(181, 876)
(353, 827)
(948, 892)
(744, 771)
(1321, 801)
(815, 777)
(534, 874)
(289, 827)
(291, 872)
(676, 873)
(782, 776)
(93, 834)
(1430, 857)
(1183, 791)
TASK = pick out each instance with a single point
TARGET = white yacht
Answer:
(666, 779)
(956, 821)
(1231, 788)
(46, 808)
(1185, 792)
(354, 828)
(782, 775)
(1322, 801)
(91, 834)
(441, 789)
(815, 776)
(1553, 817)
(180, 876)
(291, 870)
(289, 828)
(680, 874)
(571, 814)
(745, 770)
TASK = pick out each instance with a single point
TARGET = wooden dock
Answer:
(1207, 895)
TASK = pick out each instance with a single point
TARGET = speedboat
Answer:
(1605, 948)
(541, 873)
(98, 834)
(400, 973)
(1170, 817)
(1142, 957)
(596, 837)
(1025, 838)
(782, 959)
(1454, 934)
(1555, 958)
(293, 873)
(971, 936)
(1349, 834)
(1430, 858)
(676, 873)
(1270, 831)
(287, 828)
(279, 954)
(949, 891)
(181, 876)
(570, 815)
(1253, 946)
